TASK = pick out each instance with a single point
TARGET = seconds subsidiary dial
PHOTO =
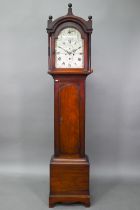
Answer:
(69, 49)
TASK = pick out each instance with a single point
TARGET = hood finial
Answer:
(70, 9)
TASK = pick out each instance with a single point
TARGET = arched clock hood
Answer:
(53, 30)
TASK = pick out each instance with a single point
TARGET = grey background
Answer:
(112, 94)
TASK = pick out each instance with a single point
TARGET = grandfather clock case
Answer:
(69, 60)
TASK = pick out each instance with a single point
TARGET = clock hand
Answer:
(64, 50)
(76, 49)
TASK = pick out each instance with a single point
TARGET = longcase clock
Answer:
(69, 59)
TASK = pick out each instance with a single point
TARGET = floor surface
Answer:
(32, 194)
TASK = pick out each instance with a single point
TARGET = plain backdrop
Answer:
(112, 91)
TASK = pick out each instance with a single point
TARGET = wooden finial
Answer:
(50, 17)
(70, 9)
(90, 17)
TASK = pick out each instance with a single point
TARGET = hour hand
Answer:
(63, 49)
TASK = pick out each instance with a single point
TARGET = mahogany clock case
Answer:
(69, 166)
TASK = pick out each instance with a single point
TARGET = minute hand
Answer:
(76, 49)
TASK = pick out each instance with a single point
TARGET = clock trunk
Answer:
(69, 167)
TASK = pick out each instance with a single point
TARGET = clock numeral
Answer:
(79, 59)
(63, 63)
(59, 58)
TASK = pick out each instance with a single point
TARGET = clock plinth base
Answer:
(69, 199)
(69, 181)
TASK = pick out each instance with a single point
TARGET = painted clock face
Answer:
(69, 49)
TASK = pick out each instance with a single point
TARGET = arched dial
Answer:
(69, 49)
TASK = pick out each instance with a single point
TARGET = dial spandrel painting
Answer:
(69, 49)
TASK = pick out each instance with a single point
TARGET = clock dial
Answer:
(69, 49)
